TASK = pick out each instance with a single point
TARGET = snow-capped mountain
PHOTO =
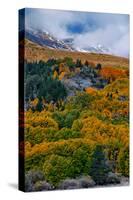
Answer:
(91, 49)
(44, 38)
(96, 49)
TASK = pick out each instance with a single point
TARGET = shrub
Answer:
(69, 62)
(59, 118)
(82, 100)
(77, 125)
(70, 117)
(67, 133)
(34, 135)
(66, 119)
(63, 134)
(123, 161)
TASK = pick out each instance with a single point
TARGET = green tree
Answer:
(81, 162)
(99, 167)
(123, 161)
(78, 63)
(39, 106)
(82, 100)
(69, 62)
(70, 117)
(56, 168)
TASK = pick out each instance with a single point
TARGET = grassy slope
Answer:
(35, 52)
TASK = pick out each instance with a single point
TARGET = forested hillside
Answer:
(76, 124)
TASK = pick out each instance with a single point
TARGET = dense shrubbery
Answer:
(69, 139)
(58, 167)
(66, 119)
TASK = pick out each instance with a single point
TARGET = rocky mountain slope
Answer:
(46, 39)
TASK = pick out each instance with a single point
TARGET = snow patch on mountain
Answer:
(44, 38)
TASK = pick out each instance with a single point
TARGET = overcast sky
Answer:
(87, 29)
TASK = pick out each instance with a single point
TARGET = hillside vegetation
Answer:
(76, 119)
(34, 52)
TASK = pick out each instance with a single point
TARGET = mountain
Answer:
(35, 52)
(95, 49)
(46, 39)
(90, 49)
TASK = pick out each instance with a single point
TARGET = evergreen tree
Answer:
(78, 63)
(39, 106)
(99, 66)
(86, 63)
(99, 167)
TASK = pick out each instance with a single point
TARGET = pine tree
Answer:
(99, 168)
(39, 106)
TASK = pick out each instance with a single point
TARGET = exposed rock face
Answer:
(122, 98)
(76, 83)
(113, 178)
(69, 184)
(42, 186)
(35, 181)
(124, 181)
(86, 182)
(31, 178)
(82, 182)
(46, 39)
(79, 83)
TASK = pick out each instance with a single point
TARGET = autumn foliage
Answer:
(67, 137)
(112, 73)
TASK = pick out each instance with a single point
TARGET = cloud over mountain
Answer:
(86, 29)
